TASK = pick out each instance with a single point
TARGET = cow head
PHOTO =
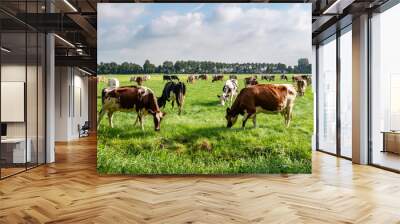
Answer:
(157, 117)
(230, 117)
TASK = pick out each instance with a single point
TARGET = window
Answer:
(327, 96)
(346, 93)
(385, 89)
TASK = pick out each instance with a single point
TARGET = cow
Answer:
(132, 79)
(139, 80)
(228, 91)
(203, 77)
(295, 78)
(307, 78)
(101, 79)
(113, 83)
(250, 81)
(141, 100)
(262, 98)
(177, 89)
(217, 78)
(284, 77)
(191, 79)
(301, 86)
(268, 77)
(146, 77)
(170, 77)
(233, 77)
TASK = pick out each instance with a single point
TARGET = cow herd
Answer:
(253, 99)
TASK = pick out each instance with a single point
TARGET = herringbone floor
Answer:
(70, 191)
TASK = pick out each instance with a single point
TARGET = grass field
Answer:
(198, 142)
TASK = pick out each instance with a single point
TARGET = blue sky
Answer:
(254, 32)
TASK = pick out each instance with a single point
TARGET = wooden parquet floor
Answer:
(70, 191)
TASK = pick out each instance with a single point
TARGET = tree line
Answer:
(198, 67)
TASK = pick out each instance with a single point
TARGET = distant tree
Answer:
(190, 67)
(148, 67)
(168, 67)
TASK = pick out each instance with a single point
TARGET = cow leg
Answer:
(288, 115)
(254, 120)
(101, 115)
(137, 119)
(245, 118)
(110, 117)
(140, 115)
(141, 122)
(179, 101)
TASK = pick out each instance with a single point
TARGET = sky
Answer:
(256, 32)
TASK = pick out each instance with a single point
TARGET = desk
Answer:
(391, 141)
(13, 150)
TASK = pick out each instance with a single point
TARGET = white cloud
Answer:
(119, 12)
(227, 33)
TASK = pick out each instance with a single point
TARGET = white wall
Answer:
(70, 83)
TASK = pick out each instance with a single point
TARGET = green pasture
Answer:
(198, 142)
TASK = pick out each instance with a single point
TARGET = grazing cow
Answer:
(262, 98)
(101, 79)
(113, 83)
(301, 86)
(139, 80)
(250, 81)
(295, 78)
(284, 77)
(170, 78)
(217, 78)
(307, 78)
(268, 77)
(131, 98)
(203, 77)
(233, 77)
(191, 79)
(178, 89)
(146, 77)
(229, 91)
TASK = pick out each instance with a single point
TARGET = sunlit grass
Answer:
(198, 142)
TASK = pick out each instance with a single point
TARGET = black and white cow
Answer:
(229, 91)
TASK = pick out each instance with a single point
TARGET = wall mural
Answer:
(204, 88)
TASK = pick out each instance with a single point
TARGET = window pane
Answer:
(346, 93)
(385, 85)
(327, 96)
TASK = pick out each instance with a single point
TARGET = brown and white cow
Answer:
(295, 78)
(139, 80)
(203, 77)
(191, 79)
(301, 86)
(262, 98)
(217, 78)
(250, 81)
(131, 98)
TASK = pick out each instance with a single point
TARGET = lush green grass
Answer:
(198, 142)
